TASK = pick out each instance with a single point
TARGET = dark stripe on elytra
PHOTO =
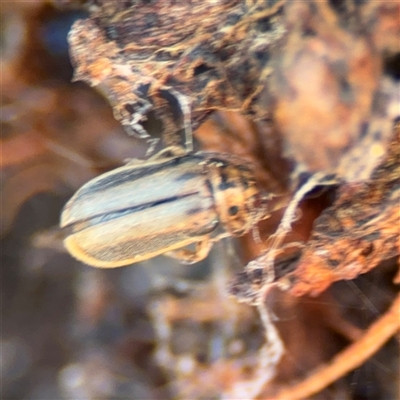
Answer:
(194, 211)
(120, 177)
(101, 218)
(186, 176)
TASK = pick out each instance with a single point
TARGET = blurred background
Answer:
(155, 330)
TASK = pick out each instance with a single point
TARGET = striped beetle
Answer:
(139, 211)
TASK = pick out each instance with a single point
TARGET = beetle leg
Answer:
(185, 256)
(168, 152)
(134, 161)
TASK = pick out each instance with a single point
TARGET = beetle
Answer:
(139, 211)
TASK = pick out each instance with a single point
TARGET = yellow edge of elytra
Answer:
(78, 253)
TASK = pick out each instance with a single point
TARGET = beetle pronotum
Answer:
(139, 211)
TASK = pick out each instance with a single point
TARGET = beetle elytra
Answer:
(136, 212)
